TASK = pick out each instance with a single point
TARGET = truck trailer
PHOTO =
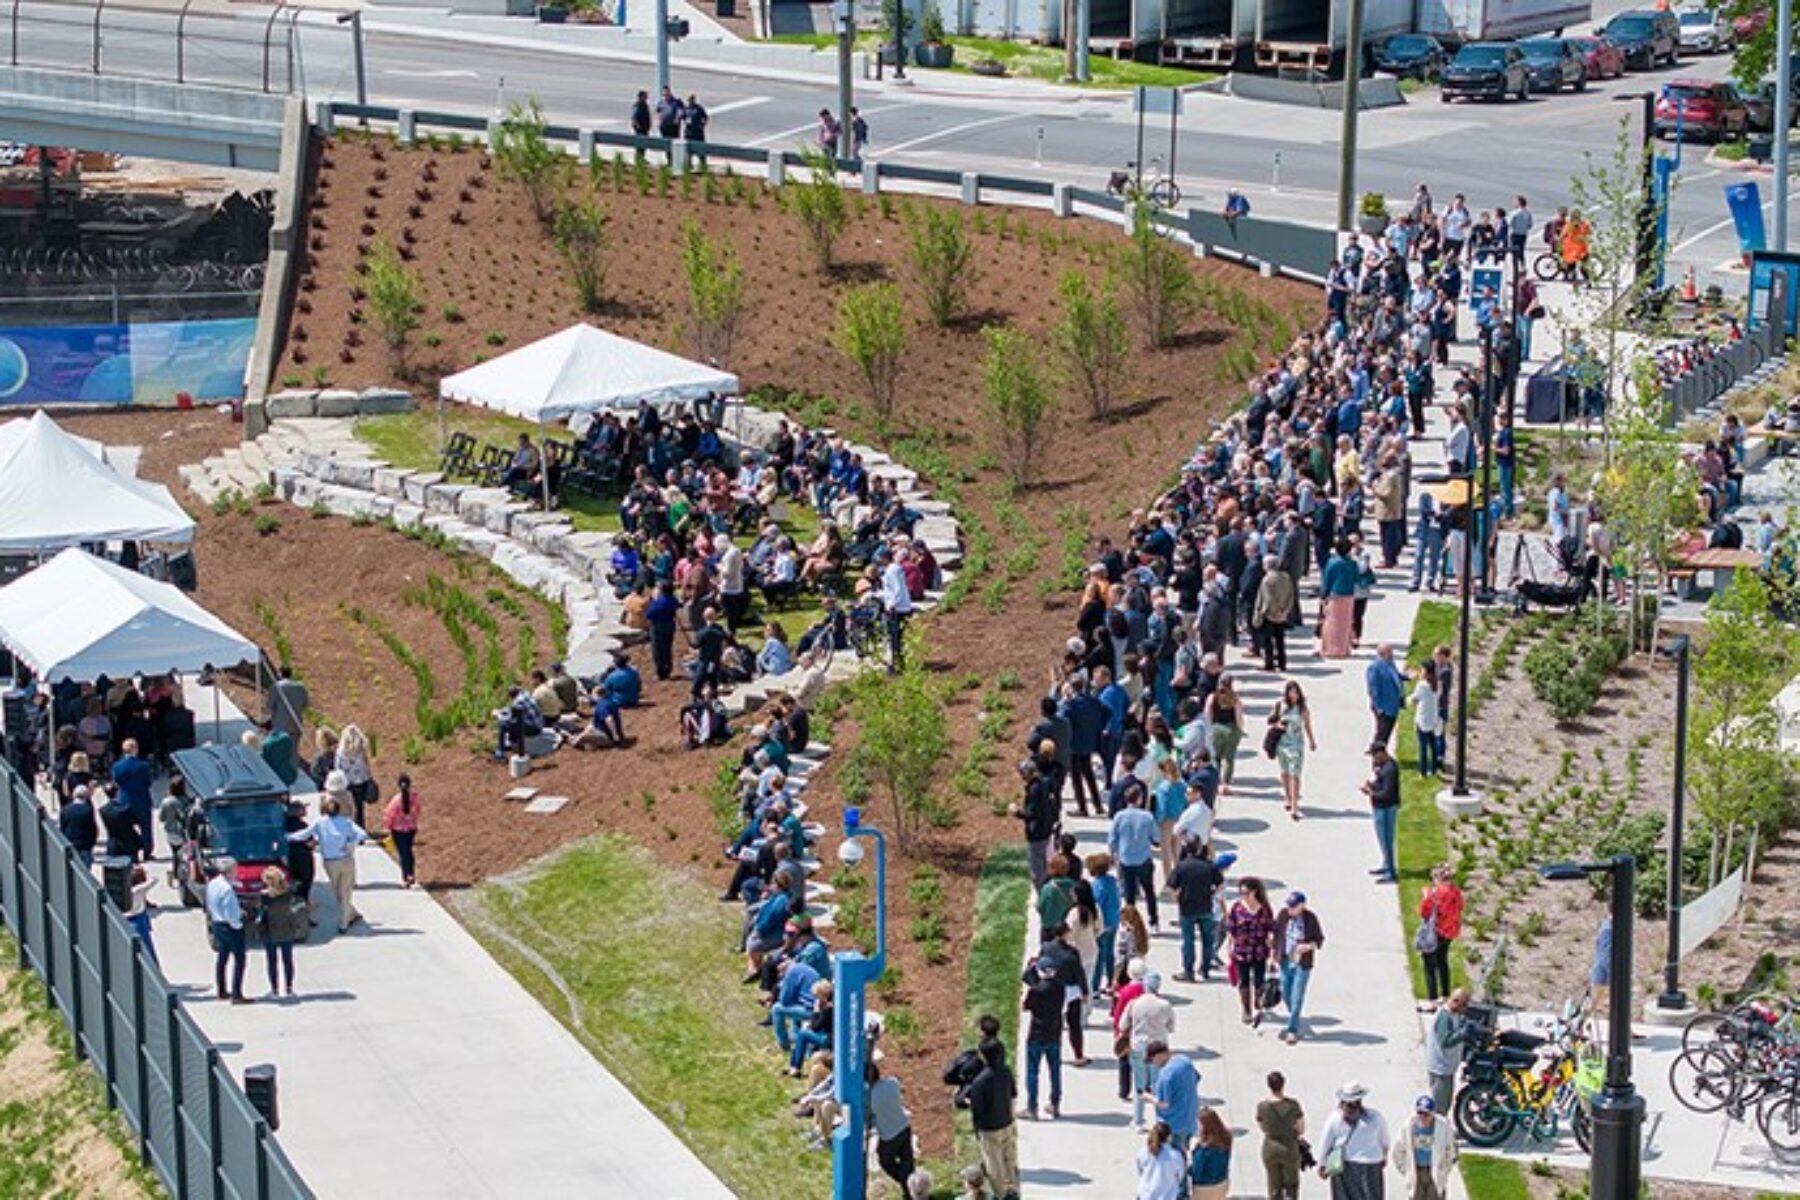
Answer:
(1455, 22)
(1200, 33)
(1310, 34)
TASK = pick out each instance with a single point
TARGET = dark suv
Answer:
(1648, 39)
(1552, 64)
(1485, 71)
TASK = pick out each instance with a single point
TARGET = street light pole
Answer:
(851, 973)
(354, 20)
(662, 45)
(1784, 82)
(1353, 54)
(845, 15)
(1460, 788)
(1672, 997)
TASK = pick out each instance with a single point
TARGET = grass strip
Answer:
(1488, 1178)
(1422, 843)
(647, 983)
(996, 956)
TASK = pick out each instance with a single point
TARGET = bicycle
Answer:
(1518, 1081)
(1155, 188)
(1552, 267)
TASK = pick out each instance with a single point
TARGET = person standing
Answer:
(225, 921)
(1283, 1125)
(1251, 927)
(1518, 229)
(353, 760)
(401, 820)
(75, 820)
(337, 838)
(1426, 721)
(829, 131)
(1044, 1004)
(1196, 881)
(1176, 1092)
(1105, 890)
(1295, 720)
(133, 775)
(1353, 1147)
(734, 585)
(282, 921)
(989, 1098)
(859, 133)
(1444, 1038)
(1132, 843)
(1386, 687)
(661, 615)
(1086, 718)
(1383, 790)
(1147, 1021)
(1277, 602)
(1337, 603)
(897, 606)
(1428, 546)
(1161, 1167)
(1389, 489)
(694, 120)
(668, 115)
(893, 1127)
(1225, 718)
(138, 915)
(1440, 911)
(1040, 811)
(1298, 937)
(1210, 1169)
(1425, 1152)
(1506, 459)
(640, 117)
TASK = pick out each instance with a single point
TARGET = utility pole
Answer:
(1672, 998)
(1784, 83)
(354, 20)
(845, 14)
(1083, 18)
(1353, 55)
(662, 46)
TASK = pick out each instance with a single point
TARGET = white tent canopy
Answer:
(56, 492)
(80, 617)
(583, 369)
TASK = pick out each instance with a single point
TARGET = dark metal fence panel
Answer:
(58, 931)
(121, 1014)
(160, 1083)
(31, 893)
(1100, 200)
(238, 1140)
(90, 957)
(196, 1107)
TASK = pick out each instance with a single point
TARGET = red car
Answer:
(1604, 60)
(1750, 24)
(1701, 108)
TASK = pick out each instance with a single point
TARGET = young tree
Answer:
(580, 233)
(393, 301)
(872, 334)
(905, 735)
(819, 203)
(943, 259)
(1648, 494)
(715, 283)
(1154, 272)
(1017, 398)
(1093, 341)
(1755, 57)
(524, 155)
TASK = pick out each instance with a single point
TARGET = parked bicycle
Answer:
(1743, 1062)
(1153, 187)
(1517, 1081)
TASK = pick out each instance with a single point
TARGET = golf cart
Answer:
(240, 811)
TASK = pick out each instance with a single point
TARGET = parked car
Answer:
(1761, 106)
(1749, 24)
(1705, 31)
(1602, 59)
(1485, 71)
(1649, 39)
(240, 811)
(1411, 56)
(1701, 108)
(1552, 64)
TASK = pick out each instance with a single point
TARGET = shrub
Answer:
(1017, 398)
(1092, 339)
(1152, 270)
(715, 283)
(819, 203)
(393, 301)
(580, 233)
(872, 334)
(266, 524)
(942, 258)
(524, 155)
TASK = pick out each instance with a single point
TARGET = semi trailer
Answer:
(1455, 22)
(1310, 34)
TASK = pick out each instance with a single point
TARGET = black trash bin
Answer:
(260, 1088)
(725, 8)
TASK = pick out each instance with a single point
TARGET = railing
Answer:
(1302, 251)
(195, 1127)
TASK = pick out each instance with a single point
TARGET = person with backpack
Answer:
(988, 1097)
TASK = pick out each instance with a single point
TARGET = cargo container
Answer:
(1205, 33)
(1310, 34)
(1454, 22)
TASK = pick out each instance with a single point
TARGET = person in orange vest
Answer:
(1576, 233)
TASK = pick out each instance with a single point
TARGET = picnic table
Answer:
(1720, 562)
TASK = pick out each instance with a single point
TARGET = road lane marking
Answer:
(951, 131)
(734, 105)
(811, 126)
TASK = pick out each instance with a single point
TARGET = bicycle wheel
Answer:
(1483, 1113)
(1164, 193)
(1582, 1122)
(1779, 1120)
(1547, 267)
(1703, 1081)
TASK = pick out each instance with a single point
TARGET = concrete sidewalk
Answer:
(1360, 1022)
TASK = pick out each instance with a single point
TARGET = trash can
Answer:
(115, 879)
(261, 1090)
(1762, 147)
(725, 8)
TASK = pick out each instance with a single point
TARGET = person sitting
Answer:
(826, 635)
(776, 658)
(522, 471)
(737, 664)
(543, 694)
(604, 728)
(519, 720)
(625, 565)
(781, 577)
(704, 721)
(824, 557)
(622, 683)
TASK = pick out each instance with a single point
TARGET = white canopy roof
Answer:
(55, 491)
(582, 369)
(80, 617)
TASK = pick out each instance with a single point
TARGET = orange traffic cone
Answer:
(1689, 291)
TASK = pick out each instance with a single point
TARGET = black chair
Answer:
(458, 455)
(492, 467)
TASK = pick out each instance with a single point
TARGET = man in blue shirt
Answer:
(1087, 719)
(1132, 842)
(1386, 685)
(1116, 701)
(623, 683)
(794, 1001)
(133, 775)
(1176, 1093)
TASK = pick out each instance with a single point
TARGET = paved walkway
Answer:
(412, 1064)
(1360, 1019)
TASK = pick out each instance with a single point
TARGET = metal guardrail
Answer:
(196, 1129)
(1302, 251)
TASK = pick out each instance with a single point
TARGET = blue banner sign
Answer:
(146, 363)
(1745, 202)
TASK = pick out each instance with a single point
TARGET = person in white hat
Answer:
(1426, 1152)
(1353, 1148)
(336, 836)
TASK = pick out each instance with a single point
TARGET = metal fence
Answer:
(195, 1127)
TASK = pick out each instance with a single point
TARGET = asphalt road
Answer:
(1285, 158)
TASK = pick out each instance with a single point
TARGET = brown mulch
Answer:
(477, 248)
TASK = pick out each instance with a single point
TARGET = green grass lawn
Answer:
(1026, 61)
(996, 957)
(1421, 841)
(645, 980)
(1487, 1178)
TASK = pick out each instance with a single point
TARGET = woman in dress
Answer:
(1337, 611)
(1251, 927)
(1295, 720)
(1225, 717)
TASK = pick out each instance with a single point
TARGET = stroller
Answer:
(1578, 570)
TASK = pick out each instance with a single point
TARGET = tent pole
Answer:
(544, 466)
(216, 734)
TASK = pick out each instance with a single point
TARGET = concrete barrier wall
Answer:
(284, 234)
(1382, 91)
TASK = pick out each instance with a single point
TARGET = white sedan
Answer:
(1705, 31)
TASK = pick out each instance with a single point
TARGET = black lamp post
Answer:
(1646, 240)
(1616, 1167)
(1672, 996)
